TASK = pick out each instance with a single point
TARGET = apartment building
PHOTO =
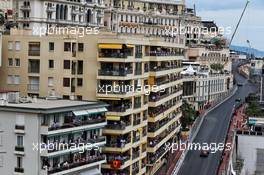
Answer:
(41, 14)
(136, 51)
(51, 136)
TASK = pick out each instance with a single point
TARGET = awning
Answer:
(99, 110)
(113, 118)
(130, 46)
(110, 46)
(90, 111)
(93, 171)
(79, 113)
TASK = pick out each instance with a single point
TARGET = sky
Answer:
(226, 13)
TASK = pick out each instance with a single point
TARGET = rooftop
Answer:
(51, 106)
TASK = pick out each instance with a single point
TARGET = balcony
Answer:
(65, 147)
(125, 161)
(157, 128)
(156, 143)
(76, 124)
(169, 82)
(120, 128)
(164, 70)
(51, 9)
(20, 127)
(25, 8)
(158, 113)
(123, 146)
(76, 166)
(34, 53)
(120, 108)
(154, 157)
(19, 148)
(157, 100)
(56, 128)
(33, 87)
(116, 90)
(121, 73)
(19, 170)
(165, 56)
(115, 57)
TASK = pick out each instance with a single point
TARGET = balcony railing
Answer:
(154, 53)
(156, 98)
(158, 83)
(33, 87)
(25, 7)
(159, 68)
(57, 126)
(121, 126)
(114, 72)
(20, 127)
(19, 170)
(20, 148)
(76, 164)
(154, 157)
(34, 53)
(114, 55)
(63, 146)
(123, 159)
(157, 140)
(119, 108)
(122, 144)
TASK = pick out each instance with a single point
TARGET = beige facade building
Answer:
(139, 122)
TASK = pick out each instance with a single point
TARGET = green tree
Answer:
(188, 114)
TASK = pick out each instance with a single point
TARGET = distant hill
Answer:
(248, 50)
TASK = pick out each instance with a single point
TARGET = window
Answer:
(51, 46)
(10, 79)
(19, 162)
(17, 62)
(10, 45)
(1, 160)
(79, 81)
(20, 140)
(66, 82)
(66, 97)
(67, 47)
(50, 81)
(10, 62)
(34, 49)
(16, 79)
(80, 47)
(67, 64)
(17, 45)
(51, 64)
(79, 97)
(33, 66)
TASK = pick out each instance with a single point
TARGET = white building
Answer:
(39, 14)
(6, 5)
(32, 130)
(200, 87)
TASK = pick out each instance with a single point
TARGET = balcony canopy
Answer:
(110, 46)
(90, 111)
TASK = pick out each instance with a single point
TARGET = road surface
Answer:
(213, 130)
